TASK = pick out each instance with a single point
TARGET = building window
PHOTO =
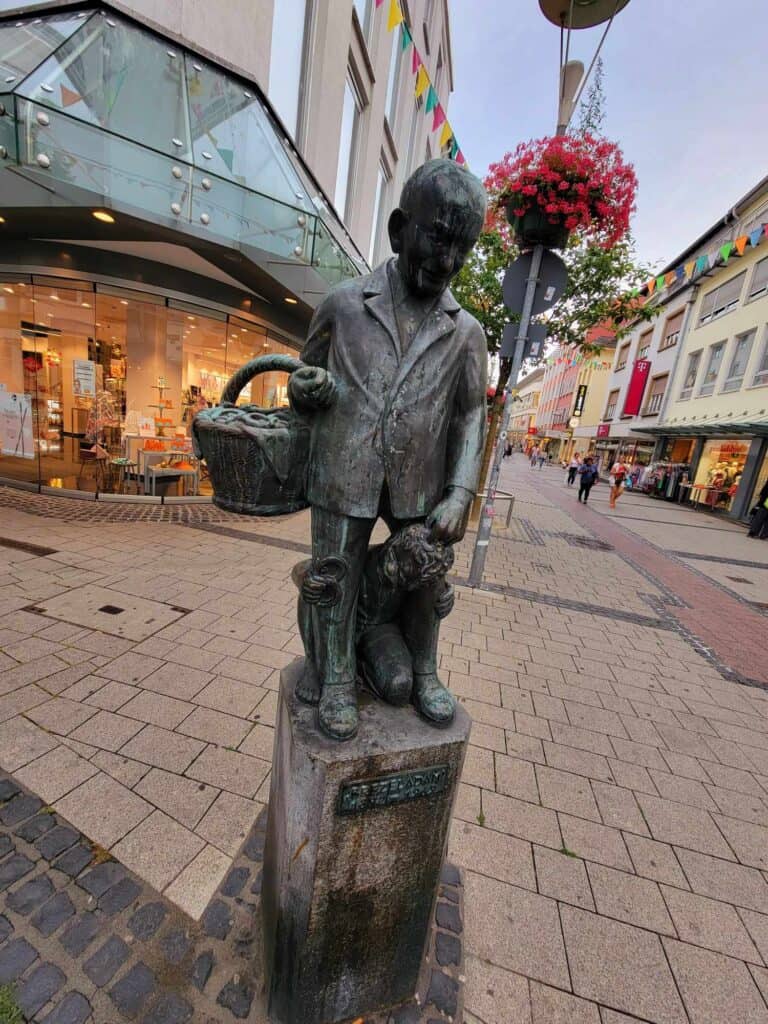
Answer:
(363, 11)
(644, 345)
(380, 210)
(656, 395)
(287, 60)
(428, 12)
(415, 124)
(690, 374)
(350, 123)
(623, 356)
(739, 360)
(393, 80)
(759, 285)
(613, 401)
(671, 333)
(761, 370)
(713, 368)
(722, 300)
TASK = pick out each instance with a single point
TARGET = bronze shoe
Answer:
(337, 712)
(433, 701)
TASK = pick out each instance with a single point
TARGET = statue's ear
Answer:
(390, 568)
(397, 221)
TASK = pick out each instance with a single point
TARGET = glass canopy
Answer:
(104, 105)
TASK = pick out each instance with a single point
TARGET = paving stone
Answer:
(36, 827)
(217, 920)
(201, 970)
(715, 988)
(6, 845)
(169, 1009)
(254, 845)
(562, 877)
(5, 928)
(655, 860)
(447, 949)
(15, 957)
(39, 988)
(450, 875)
(104, 809)
(77, 936)
(13, 868)
(19, 808)
(175, 945)
(8, 789)
(628, 898)
(53, 914)
(147, 919)
(131, 992)
(106, 961)
(236, 996)
(724, 880)
(102, 877)
(75, 860)
(234, 882)
(448, 916)
(409, 1013)
(56, 841)
(158, 849)
(443, 993)
(492, 853)
(74, 1008)
(551, 1006)
(119, 896)
(709, 923)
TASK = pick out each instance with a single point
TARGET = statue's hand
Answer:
(448, 519)
(312, 387)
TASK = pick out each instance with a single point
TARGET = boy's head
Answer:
(588, 460)
(441, 214)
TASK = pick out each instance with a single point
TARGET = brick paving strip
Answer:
(735, 632)
(84, 941)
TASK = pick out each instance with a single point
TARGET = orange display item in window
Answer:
(151, 444)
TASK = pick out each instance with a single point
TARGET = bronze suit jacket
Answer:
(414, 422)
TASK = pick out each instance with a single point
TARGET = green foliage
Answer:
(10, 1012)
(592, 106)
(478, 286)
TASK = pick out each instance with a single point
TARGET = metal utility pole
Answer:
(510, 393)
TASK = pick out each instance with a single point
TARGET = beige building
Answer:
(522, 423)
(182, 181)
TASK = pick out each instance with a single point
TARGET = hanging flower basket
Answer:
(551, 187)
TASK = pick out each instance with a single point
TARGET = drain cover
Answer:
(111, 609)
(577, 540)
(135, 618)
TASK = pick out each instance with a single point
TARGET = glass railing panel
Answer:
(91, 159)
(120, 78)
(329, 259)
(7, 129)
(233, 137)
(27, 43)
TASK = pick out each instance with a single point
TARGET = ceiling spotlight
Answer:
(291, 301)
(103, 216)
(123, 302)
(85, 305)
(7, 288)
(2, 220)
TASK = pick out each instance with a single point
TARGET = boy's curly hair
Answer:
(413, 560)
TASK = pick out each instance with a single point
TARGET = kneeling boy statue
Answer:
(394, 389)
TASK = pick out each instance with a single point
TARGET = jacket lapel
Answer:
(441, 321)
(378, 302)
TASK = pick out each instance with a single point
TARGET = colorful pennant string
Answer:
(395, 15)
(431, 99)
(422, 81)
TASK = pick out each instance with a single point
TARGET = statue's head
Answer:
(413, 560)
(433, 230)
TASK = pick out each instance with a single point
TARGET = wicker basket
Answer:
(257, 458)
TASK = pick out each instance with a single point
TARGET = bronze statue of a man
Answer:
(395, 388)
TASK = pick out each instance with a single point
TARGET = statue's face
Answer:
(432, 241)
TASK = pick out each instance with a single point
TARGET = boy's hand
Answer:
(448, 519)
(312, 387)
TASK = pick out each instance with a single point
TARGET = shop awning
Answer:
(725, 427)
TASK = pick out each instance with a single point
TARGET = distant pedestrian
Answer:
(617, 479)
(588, 476)
(541, 458)
(534, 455)
(507, 449)
(759, 525)
(573, 468)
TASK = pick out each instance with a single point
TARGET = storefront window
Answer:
(719, 473)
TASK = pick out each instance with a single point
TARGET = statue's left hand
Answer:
(448, 519)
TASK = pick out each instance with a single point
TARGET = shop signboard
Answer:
(603, 430)
(84, 378)
(634, 400)
(581, 397)
(16, 437)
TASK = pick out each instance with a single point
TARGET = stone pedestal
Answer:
(355, 842)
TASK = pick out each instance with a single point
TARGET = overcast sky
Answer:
(686, 84)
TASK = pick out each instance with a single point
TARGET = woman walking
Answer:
(616, 480)
(587, 478)
(573, 468)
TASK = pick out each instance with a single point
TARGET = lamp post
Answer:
(568, 15)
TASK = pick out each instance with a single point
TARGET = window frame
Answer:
(350, 83)
(694, 360)
(719, 311)
(612, 406)
(752, 295)
(735, 383)
(623, 352)
(665, 343)
(762, 362)
(649, 410)
(715, 351)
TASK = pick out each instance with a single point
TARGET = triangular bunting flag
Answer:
(395, 15)
(69, 96)
(765, 228)
(379, 3)
(454, 149)
(406, 39)
(702, 263)
(228, 156)
(460, 158)
(712, 259)
(754, 238)
(651, 286)
(689, 269)
(669, 278)
(422, 80)
(431, 100)
(726, 250)
(679, 273)
(415, 61)
(439, 118)
(660, 283)
(445, 134)
(741, 244)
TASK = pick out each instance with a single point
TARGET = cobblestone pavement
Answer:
(613, 815)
